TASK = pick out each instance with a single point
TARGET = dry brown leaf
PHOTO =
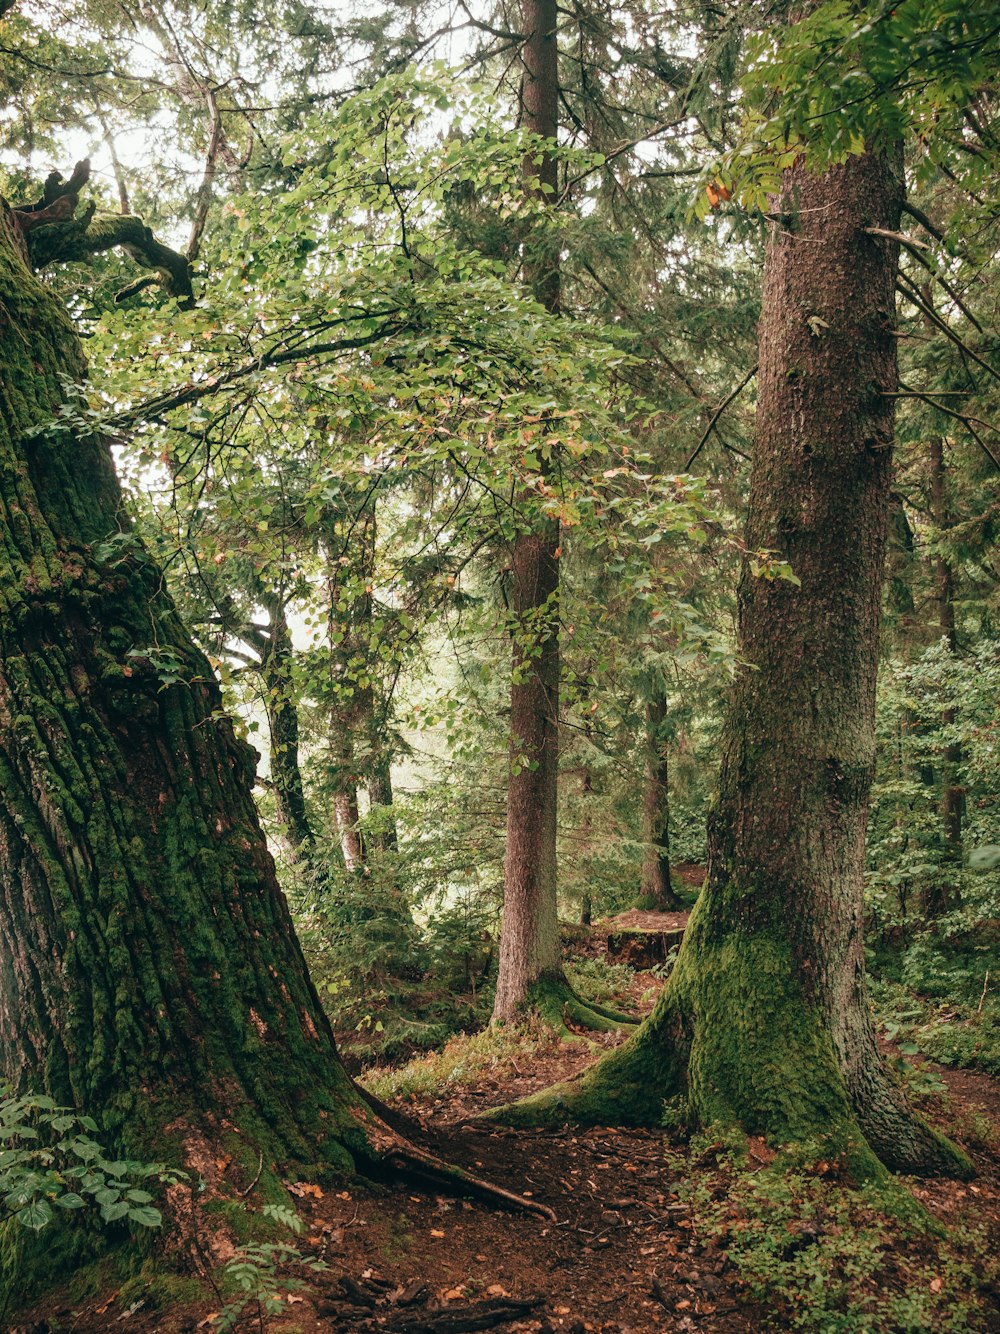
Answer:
(436, 1232)
(303, 1188)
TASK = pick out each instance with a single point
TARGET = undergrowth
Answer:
(822, 1255)
(463, 1061)
(953, 1032)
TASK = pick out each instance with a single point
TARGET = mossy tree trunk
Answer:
(765, 1022)
(149, 970)
(655, 888)
(529, 943)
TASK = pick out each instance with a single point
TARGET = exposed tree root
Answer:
(735, 1041)
(401, 1158)
(555, 1002)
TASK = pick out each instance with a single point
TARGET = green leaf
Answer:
(35, 1215)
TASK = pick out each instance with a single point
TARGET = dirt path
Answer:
(622, 1256)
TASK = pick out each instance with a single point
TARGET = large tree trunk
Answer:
(655, 888)
(149, 970)
(529, 942)
(765, 1022)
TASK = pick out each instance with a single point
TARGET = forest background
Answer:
(395, 424)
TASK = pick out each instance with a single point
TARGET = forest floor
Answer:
(650, 1234)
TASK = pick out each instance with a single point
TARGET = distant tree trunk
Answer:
(380, 794)
(149, 970)
(765, 1021)
(529, 942)
(655, 887)
(346, 813)
(943, 894)
(283, 726)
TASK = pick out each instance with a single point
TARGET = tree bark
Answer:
(149, 969)
(655, 888)
(529, 942)
(765, 1022)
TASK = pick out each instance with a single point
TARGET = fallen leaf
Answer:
(495, 1290)
(436, 1232)
(454, 1294)
(303, 1188)
(936, 1284)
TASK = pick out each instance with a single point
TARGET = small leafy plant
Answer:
(258, 1270)
(49, 1161)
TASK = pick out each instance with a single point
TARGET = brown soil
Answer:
(622, 1256)
(638, 919)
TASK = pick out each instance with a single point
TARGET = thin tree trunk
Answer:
(283, 726)
(655, 887)
(345, 795)
(765, 1021)
(943, 894)
(529, 942)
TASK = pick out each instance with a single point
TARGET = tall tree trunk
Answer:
(943, 894)
(149, 970)
(283, 726)
(765, 1021)
(529, 941)
(655, 887)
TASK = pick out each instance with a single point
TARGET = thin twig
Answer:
(718, 413)
(260, 1168)
(986, 982)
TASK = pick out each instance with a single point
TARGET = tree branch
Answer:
(717, 414)
(55, 235)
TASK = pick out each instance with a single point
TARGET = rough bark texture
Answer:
(765, 1022)
(529, 944)
(655, 888)
(149, 970)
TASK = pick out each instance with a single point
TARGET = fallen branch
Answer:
(454, 1319)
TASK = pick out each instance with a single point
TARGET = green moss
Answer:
(734, 1041)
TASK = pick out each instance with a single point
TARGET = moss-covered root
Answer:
(628, 1087)
(557, 1005)
(735, 1041)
